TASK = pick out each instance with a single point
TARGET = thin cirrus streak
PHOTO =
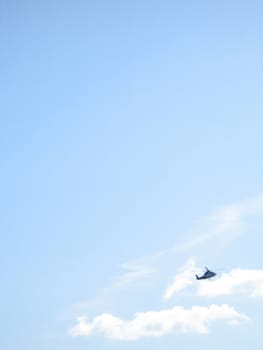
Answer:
(226, 222)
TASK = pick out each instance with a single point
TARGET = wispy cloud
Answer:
(182, 280)
(158, 323)
(134, 272)
(225, 223)
(222, 226)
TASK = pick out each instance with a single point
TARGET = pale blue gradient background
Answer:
(122, 122)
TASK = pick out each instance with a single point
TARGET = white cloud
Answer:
(226, 223)
(158, 323)
(219, 229)
(134, 273)
(238, 281)
(182, 280)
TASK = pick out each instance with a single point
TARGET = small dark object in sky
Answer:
(208, 274)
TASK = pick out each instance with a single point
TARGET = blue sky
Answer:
(131, 150)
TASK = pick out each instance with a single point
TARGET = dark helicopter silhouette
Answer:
(208, 274)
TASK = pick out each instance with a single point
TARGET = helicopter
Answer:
(208, 274)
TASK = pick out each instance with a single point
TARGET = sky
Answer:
(131, 153)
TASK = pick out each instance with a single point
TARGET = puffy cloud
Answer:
(157, 323)
(238, 281)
